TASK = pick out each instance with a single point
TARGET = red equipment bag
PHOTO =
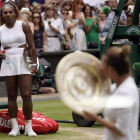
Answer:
(40, 123)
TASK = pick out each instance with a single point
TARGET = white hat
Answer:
(9, 0)
(25, 10)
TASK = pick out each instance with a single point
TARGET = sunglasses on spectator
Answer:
(55, 3)
(65, 13)
(67, 4)
(36, 17)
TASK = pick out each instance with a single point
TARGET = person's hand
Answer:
(97, 21)
(52, 28)
(46, 3)
(89, 117)
(44, 49)
(69, 26)
(79, 17)
(34, 70)
(129, 3)
(93, 19)
(68, 46)
(2, 56)
(93, 8)
(120, 21)
(102, 40)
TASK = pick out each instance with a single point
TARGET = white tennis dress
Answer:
(14, 63)
(125, 119)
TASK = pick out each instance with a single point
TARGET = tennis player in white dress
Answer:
(14, 35)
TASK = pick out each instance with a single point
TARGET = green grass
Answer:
(53, 109)
(56, 110)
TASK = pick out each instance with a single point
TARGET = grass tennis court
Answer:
(56, 110)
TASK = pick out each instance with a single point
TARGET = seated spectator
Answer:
(65, 13)
(25, 16)
(45, 90)
(123, 19)
(45, 85)
(67, 4)
(104, 25)
(53, 28)
(39, 32)
(37, 8)
(92, 25)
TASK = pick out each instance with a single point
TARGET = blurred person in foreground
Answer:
(120, 121)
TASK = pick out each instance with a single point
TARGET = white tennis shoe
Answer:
(29, 132)
(14, 132)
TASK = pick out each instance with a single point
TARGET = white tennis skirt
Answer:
(14, 63)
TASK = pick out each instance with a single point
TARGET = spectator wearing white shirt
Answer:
(123, 19)
(53, 28)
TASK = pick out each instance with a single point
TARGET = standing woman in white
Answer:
(121, 123)
(14, 35)
(53, 28)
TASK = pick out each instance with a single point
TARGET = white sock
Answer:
(14, 122)
(29, 124)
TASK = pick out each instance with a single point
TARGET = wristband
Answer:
(34, 64)
(30, 65)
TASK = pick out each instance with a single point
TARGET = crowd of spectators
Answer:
(69, 24)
